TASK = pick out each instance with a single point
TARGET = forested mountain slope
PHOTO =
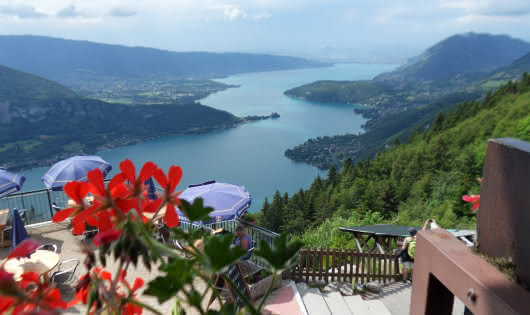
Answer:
(42, 121)
(410, 182)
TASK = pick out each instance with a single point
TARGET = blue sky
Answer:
(357, 29)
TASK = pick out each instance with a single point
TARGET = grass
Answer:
(493, 84)
(25, 144)
(74, 146)
(122, 100)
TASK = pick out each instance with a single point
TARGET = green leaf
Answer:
(219, 252)
(196, 211)
(180, 272)
(279, 257)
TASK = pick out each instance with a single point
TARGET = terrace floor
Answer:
(68, 248)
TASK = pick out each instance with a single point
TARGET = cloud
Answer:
(386, 15)
(69, 11)
(484, 8)
(262, 15)
(234, 13)
(121, 12)
(22, 12)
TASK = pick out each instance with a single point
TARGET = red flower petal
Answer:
(471, 198)
(153, 205)
(76, 191)
(171, 217)
(475, 206)
(95, 177)
(62, 215)
(175, 174)
(106, 237)
(128, 169)
(138, 283)
(24, 249)
(117, 180)
(160, 177)
(147, 171)
(105, 275)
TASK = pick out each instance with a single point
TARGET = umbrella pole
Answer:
(50, 204)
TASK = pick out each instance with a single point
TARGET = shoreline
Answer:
(127, 140)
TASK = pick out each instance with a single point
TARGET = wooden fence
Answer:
(344, 265)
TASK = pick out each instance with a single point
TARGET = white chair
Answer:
(63, 275)
(50, 247)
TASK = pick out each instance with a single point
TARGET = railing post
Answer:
(50, 203)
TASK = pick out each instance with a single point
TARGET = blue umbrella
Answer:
(19, 233)
(74, 168)
(229, 201)
(10, 182)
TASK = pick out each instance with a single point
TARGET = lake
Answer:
(251, 155)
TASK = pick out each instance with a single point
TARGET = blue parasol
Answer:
(74, 168)
(10, 182)
(19, 233)
(151, 188)
(229, 201)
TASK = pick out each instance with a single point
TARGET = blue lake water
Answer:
(252, 154)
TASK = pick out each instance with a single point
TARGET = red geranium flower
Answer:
(77, 191)
(24, 249)
(137, 186)
(106, 237)
(474, 199)
(170, 197)
(47, 297)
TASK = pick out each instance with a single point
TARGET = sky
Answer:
(365, 30)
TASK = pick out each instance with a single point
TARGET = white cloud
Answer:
(68, 12)
(122, 12)
(386, 15)
(234, 13)
(262, 15)
(22, 11)
(478, 8)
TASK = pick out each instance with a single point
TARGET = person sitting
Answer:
(243, 240)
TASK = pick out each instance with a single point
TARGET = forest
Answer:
(423, 177)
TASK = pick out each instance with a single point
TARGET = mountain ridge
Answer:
(64, 60)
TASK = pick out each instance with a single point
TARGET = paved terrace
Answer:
(68, 247)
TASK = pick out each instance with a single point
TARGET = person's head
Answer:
(240, 230)
(412, 231)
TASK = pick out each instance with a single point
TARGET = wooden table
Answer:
(41, 262)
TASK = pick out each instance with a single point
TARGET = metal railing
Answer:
(37, 204)
(257, 233)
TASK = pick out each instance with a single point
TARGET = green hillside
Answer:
(20, 86)
(411, 182)
(42, 121)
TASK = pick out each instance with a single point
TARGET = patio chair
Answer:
(90, 232)
(50, 247)
(64, 275)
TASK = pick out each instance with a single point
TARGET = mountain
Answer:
(409, 182)
(65, 60)
(42, 121)
(460, 54)
(401, 101)
(512, 71)
(20, 86)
